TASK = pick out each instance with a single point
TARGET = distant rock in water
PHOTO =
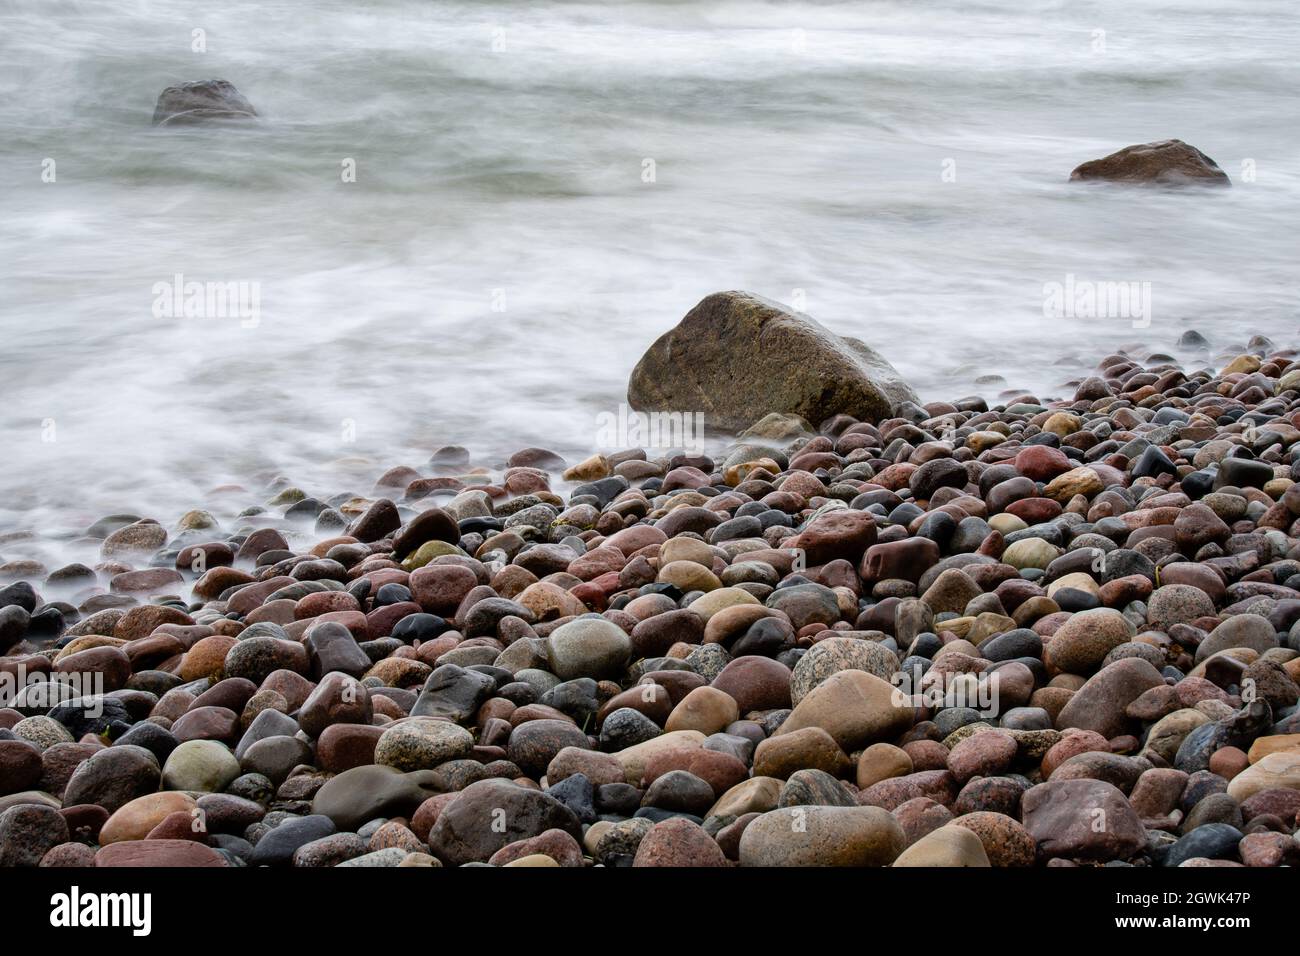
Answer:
(201, 102)
(736, 357)
(1170, 162)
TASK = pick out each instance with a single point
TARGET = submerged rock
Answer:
(1170, 162)
(201, 102)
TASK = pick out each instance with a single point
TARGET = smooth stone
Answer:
(491, 814)
(948, 846)
(837, 654)
(365, 793)
(422, 743)
(200, 765)
(589, 647)
(822, 836)
(1062, 817)
(279, 844)
(854, 707)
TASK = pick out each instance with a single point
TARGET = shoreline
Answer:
(943, 639)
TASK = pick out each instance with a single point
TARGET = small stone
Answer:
(533, 745)
(329, 850)
(815, 788)
(982, 755)
(1276, 771)
(705, 709)
(364, 793)
(948, 846)
(491, 814)
(1101, 704)
(1060, 816)
(136, 819)
(200, 765)
(822, 836)
(1006, 842)
(158, 853)
(558, 845)
(1177, 604)
(678, 843)
(113, 777)
(854, 707)
(882, 762)
(28, 832)
(589, 647)
(338, 699)
(1082, 642)
(838, 654)
(278, 845)
(422, 743)
(809, 747)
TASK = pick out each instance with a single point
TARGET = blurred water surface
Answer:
(501, 262)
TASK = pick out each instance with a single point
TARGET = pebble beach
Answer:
(1035, 633)
(423, 449)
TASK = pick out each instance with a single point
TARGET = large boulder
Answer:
(1170, 162)
(736, 357)
(201, 102)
